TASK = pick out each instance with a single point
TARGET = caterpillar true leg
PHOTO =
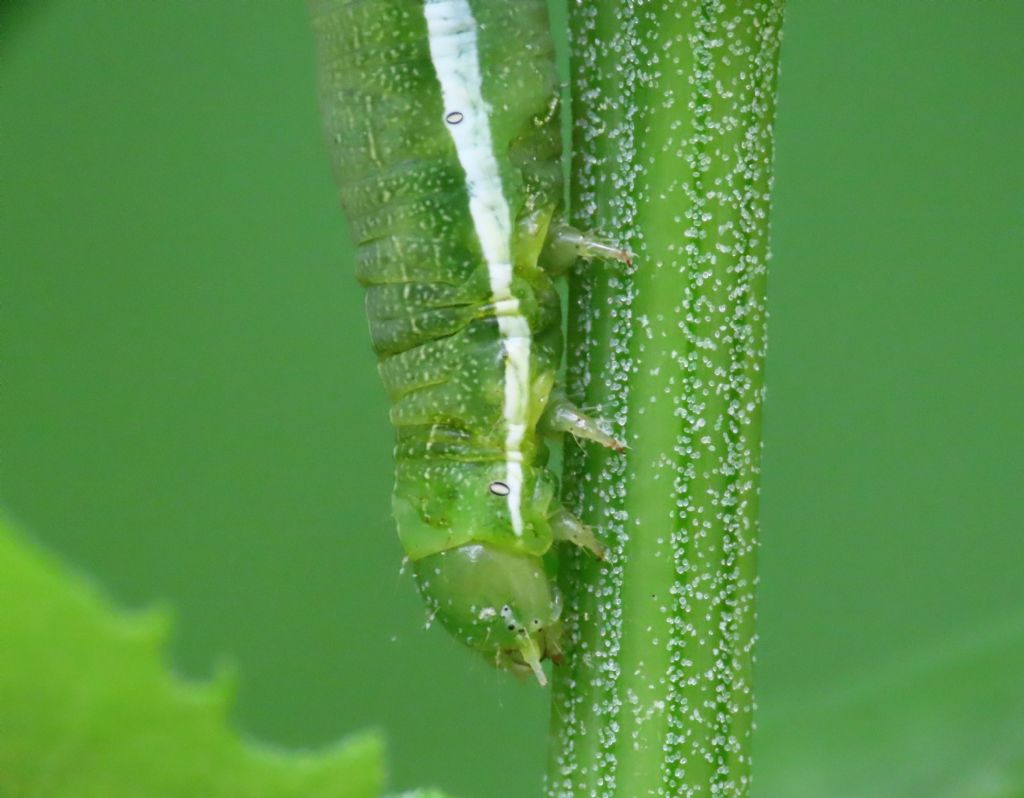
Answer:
(565, 244)
(561, 415)
(566, 526)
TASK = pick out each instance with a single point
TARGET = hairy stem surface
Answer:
(673, 103)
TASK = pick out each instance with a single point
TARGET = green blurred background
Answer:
(191, 414)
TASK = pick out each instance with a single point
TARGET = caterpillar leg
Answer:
(566, 526)
(561, 415)
(565, 244)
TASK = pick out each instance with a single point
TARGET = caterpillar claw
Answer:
(561, 415)
(591, 247)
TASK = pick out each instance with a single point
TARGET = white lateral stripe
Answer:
(453, 50)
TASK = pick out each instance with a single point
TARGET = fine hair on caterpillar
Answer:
(444, 135)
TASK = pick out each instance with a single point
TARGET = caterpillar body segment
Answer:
(443, 124)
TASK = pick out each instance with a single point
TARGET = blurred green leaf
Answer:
(88, 709)
(949, 724)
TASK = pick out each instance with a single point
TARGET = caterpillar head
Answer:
(496, 601)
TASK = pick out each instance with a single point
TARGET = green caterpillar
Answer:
(443, 122)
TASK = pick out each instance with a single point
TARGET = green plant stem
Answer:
(673, 107)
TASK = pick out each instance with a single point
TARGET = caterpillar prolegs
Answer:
(443, 123)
